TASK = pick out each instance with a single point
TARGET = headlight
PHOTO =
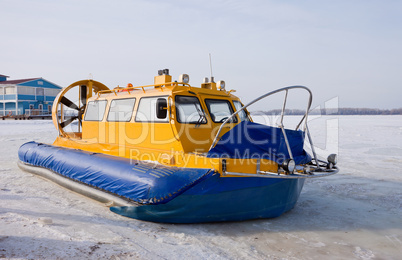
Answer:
(184, 78)
(289, 165)
(221, 84)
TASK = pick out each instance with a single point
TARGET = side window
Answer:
(189, 110)
(121, 110)
(219, 110)
(95, 110)
(147, 110)
(243, 114)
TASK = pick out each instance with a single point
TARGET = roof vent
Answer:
(162, 78)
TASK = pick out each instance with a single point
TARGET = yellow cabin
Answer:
(169, 122)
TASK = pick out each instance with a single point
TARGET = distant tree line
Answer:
(334, 111)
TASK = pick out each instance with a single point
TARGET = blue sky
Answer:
(346, 49)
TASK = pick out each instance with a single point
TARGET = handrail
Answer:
(143, 87)
(282, 113)
(322, 172)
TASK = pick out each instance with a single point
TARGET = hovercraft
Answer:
(174, 153)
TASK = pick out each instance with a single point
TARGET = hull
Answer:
(159, 193)
(223, 199)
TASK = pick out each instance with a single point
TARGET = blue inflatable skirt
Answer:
(165, 194)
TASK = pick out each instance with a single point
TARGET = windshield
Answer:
(220, 110)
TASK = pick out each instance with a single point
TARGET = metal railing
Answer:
(286, 89)
(9, 112)
(128, 89)
(37, 112)
(317, 167)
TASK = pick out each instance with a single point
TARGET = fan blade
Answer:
(68, 121)
(67, 102)
(83, 94)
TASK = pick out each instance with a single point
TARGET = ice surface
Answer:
(355, 214)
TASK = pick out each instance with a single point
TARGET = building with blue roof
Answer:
(32, 96)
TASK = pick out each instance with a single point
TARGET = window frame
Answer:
(39, 91)
(13, 88)
(86, 110)
(236, 120)
(118, 99)
(244, 110)
(190, 123)
(150, 121)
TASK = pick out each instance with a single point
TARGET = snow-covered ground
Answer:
(356, 214)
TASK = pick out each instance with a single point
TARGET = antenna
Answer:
(210, 66)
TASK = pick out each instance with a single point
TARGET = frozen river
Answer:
(356, 214)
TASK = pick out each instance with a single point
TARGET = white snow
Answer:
(355, 214)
